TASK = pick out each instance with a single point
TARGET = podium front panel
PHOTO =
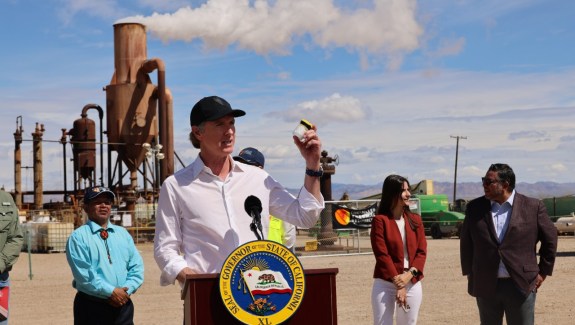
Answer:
(203, 304)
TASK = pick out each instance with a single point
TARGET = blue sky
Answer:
(386, 82)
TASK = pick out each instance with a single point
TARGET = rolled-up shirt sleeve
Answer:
(302, 211)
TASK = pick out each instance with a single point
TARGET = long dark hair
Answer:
(390, 192)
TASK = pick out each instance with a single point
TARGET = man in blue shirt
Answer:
(105, 263)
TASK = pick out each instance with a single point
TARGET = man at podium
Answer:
(201, 215)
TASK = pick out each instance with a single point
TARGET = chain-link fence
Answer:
(46, 237)
(343, 228)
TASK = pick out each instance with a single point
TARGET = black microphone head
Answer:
(252, 203)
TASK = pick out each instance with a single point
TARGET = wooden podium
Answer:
(203, 304)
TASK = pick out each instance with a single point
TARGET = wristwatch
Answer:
(413, 272)
(314, 173)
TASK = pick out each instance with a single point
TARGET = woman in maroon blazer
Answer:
(400, 249)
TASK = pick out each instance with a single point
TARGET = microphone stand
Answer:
(255, 225)
(254, 228)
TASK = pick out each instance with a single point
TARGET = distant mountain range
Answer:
(467, 191)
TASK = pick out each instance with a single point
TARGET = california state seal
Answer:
(262, 282)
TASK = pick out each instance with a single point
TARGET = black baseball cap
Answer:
(212, 108)
(251, 156)
(92, 192)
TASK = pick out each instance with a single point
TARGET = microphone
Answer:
(253, 207)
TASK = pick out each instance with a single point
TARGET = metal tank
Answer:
(131, 115)
(83, 138)
(137, 111)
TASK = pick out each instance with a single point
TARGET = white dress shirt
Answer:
(501, 214)
(201, 219)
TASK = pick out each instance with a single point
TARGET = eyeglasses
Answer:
(488, 181)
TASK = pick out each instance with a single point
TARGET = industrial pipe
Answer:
(164, 112)
(101, 116)
(18, 163)
(38, 171)
(63, 142)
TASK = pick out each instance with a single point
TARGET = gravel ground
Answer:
(48, 296)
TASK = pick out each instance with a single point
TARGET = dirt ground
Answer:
(48, 296)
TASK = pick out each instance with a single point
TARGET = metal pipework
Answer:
(83, 138)
(101, 116)
(18, 163)
(165, 113)
(137, 111)
(37, 152)
(63, 142)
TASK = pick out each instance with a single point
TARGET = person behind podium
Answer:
(201, 218)
(105, 263)
(279, 231)
(400, 250)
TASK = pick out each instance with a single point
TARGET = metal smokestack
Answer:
(38, 170)
(18, 163)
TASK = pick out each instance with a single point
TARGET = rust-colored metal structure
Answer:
(137, 111)
(38, 170)
(83, 138)
(326, 235)
(18, 162)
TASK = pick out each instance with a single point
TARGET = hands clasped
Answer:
(400, 281)
(119, 297)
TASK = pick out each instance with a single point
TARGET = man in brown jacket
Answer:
(498, 249)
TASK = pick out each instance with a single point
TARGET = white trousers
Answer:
(384, 305)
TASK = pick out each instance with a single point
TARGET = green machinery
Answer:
(438, 220)
(560, 206)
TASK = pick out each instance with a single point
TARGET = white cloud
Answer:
(558, 167)
(335, 108)
(389, 29)
(528, 134)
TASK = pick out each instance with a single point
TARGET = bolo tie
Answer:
(104, 235)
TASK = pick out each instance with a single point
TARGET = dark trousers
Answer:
(89, 310)
(518, 308)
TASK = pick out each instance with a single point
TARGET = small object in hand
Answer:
(301, 128)
(405, 307)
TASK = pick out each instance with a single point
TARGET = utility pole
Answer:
(457, 137)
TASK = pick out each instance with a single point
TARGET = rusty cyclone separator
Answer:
(131, 101)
